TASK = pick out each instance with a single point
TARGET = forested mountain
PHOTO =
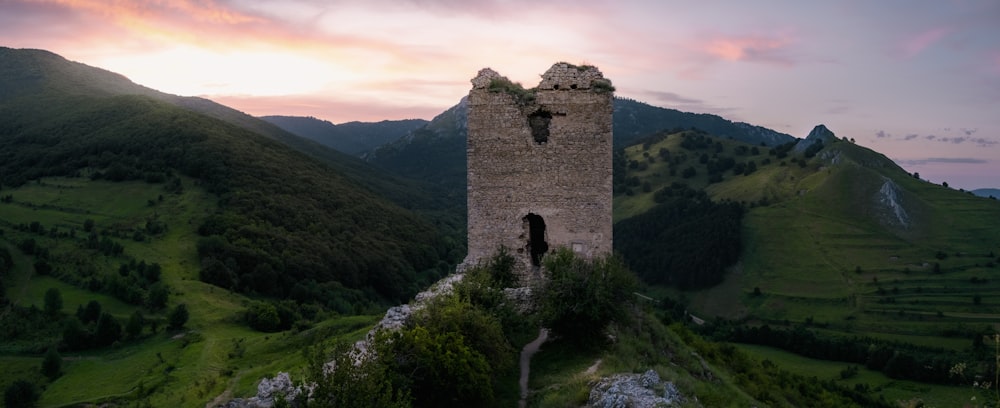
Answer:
(634, 120)
(282, 217)
(353, 138)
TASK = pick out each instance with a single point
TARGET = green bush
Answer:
(581, 297)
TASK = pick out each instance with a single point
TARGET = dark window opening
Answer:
(539, 123)
(556, 87)
(572, 86)
(537, 246)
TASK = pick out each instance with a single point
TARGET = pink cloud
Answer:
(916, 44)
(768, 49)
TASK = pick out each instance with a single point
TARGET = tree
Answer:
(263, 316)
(178, 317)
(90, 313)
(157, 296)
(21, 394)
(444, 370)
(134, 326)
(581, 297)
(52, 364)
(108, 330)
(53, 302)
(365, 380)
(74, 335)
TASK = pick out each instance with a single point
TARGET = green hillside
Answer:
(844, 244)
(133, 205)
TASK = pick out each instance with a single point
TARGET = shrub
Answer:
(582, 297)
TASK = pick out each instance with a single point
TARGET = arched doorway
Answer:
(537, 247)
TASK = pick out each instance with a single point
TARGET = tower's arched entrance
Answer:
(536, 245)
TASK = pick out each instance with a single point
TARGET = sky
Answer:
(918, 81)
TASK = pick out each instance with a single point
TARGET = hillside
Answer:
(839, 241)
(353, 138)
(118, 196)
(67, 119)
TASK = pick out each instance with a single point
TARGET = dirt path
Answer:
(529, 350)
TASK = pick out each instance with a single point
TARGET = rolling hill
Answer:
(838, 241)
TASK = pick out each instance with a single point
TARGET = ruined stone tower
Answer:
(539, 165)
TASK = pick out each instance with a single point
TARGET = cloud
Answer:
(687, 104)
(770, 49)
(916, 44)
(963, 137)
(336, 110)
(941, 160)
(671, 97)
(838, 110)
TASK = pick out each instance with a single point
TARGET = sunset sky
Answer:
(916, 80)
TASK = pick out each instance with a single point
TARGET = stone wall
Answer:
(540, 157)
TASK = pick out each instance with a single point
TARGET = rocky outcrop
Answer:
(634, 390)
(268, 391)
(889, 203)
(819, 134)
(394, 319)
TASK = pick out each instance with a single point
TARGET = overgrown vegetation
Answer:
(521, 95)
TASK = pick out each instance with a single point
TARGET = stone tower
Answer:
(539, 165)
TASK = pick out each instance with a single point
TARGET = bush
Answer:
(178, 317)
(263, 316)
(21, 393)
(582, 297)
(52, 364)
(53, 302)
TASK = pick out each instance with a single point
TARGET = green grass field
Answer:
(892, 390)
(215, 356)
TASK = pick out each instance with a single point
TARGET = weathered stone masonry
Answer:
(540, 164)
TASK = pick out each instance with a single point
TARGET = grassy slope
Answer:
(197, 364)
(892, 390)
(822, 226)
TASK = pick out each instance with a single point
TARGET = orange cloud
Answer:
(331, 108)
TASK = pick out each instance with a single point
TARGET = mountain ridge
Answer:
(353, 137)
